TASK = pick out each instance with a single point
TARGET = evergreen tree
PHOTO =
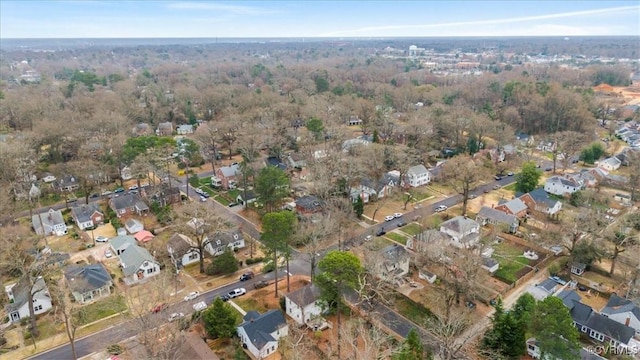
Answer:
(220, 319)
(527, 179)
(358, 207)
(226, 263)
(412, 348)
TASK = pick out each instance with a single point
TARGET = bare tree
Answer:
(464, 173)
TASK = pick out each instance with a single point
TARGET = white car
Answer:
(397, 215)
(133, 187)
(101, 238)
(108, 254)
(389, 218)
(175, 316)
(237, 292)
(192, 295)
(440, 208)
(203, 199)
(200, 306)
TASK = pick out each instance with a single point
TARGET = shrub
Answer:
(114, 349)
(255, 260)
(283, 303)
(268, 267)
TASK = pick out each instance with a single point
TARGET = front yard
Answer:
(100, 309)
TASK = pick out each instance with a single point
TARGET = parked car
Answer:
(389, 218)
(94, 195)
(225, 297)
(118, 190)
(156, 309)
(202, 198)
(200, 306)
(381, 232)
(246, 276)
(401, 223)
(237, 292)
(175, 316)
(496, 187)
(472, 196)
(397, 215)
(510, 173)
(101, 238)
(133, 187)
(498, 177)
(440, 208)
(108, 254)
(232, 204)
(192, 295)
(260, 284)
(471, 304)
(106, 193)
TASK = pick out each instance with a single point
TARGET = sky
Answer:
(268, 19)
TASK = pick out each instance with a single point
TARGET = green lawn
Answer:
(412, 229)
(419, 195)
(510, 259)
(250, 304)
(100, 309)
(397, 238)
(413, 311)
(510, 187)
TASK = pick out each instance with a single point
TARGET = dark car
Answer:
(260, 284)
(381, 232)
(246, 276)
(401, 223)
(498, 177)
(118, 190)
(225, 297)
(471, 304)
(232, 204)
(548, 168)
(94, 195)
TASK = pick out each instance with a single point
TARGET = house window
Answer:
(37, 308)
(193, 256)
(150, 271)
(583, 329)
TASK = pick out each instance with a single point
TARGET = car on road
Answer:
(101, 238)
(246, 276)
(203, 199)
(548, 168)
(225, 297)
(260, 284)
(175, 316)
(397, 215)
(156, 309)
(237, 292)
(94, 195)
(510, 173)
(232, 204)
(192, 295)
(118, 190)
(133, 187)
(108, 254)
(107, 192)
(498, 177)
(472, 196)
(401, 223)
(200, 306)
(381, 232)
(389, 218)
(496, 187)
(440, 208)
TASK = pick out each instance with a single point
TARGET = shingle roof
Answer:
(82, 279)
(305, 295)
(549, 285)
(540, 196)
(515, 205)
(133, 257)
(259, 327)
(488, 262)
(394, 254)
(178, 244)
(417, 170)
(496, 215)
(83, 213)
(121, 241)
(564, 181)
(125, 201)
(617, 305)
(49, 218)
(226, 237)
(585, 315)
(460, 224)
(21, 290)
(569, 298)
(309, 202)
(229, 171)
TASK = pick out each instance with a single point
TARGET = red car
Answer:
(158, 308)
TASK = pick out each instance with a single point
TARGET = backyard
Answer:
(511, 260)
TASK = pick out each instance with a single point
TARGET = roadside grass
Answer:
(510, 187)
(101, 325)
(251, 304)
(379, 243)
(397, 238)
(412, 229)
(419, 195)
(412, 310)
(47, 326)
(100, 309)
(510, 259)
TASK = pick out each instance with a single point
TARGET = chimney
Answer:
(626, 322)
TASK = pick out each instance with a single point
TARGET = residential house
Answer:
(182, 251)
(569, 297)
(543, 290)
(195, 348)
(353, 120)
(128, 204)
(226, 176)
(137, 264)
(610, 164)
(585, 178)
(88, 283)
(164, 129)
(143, 236)
(602, 328)
(166, 195)
(259, 333)
(275, 162)
(392, 263)
(349, 144)
(49, 223)
(296, 161)
(489, 264)
(133, 226)
(303, 305)
(464, 232)
(425, 274)
(125, 173)
(18, 293)
(369, 189)
(539, 200)
(533, 350)
(120, 243)
(246, 199)
(67, 183)
(87, 216)
(184, 129)
(220, 241)
(515, 207)
(421, 241)
(417, 176)
(488, 215)
(623, 311)
(548, 146)
(308, 204)
(578, 268)
(524, 139)
(561, 186)
(624, 199)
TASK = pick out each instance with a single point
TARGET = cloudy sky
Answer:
(142, 19)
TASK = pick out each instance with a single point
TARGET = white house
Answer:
(623, 311)
(137, 264)
(610, 164)
(392, 262)
(533, 350)
(182, 251)
(18, 294)
(219, 241)
(464, 232)
(417, 176)
(125, 173)
(49, 223)
(184, 129)
(302, 305)
(561, 186)
(259, 333)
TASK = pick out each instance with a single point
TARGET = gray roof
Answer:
(579, 266)
(178, 245)
(229, 171)
(133, 257)
(562, 180)
(569, 298)
(83, 213)
(460, 224)
(187, 127)
(496, 215)
(309, 202)
(584, 315)
(49, 218)
(131, 224)
(417, 170)
(226, 237)
(617, 305)
(488, 262)
(125, 201)
(305, 295)
(122, 241)
(378, 185)
(82, 279)
(542, 197)
(394, 254)
(549, 285)
(21, 292)
(515, 205)
(259, 327)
